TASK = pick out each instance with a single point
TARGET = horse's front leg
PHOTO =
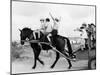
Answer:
(36, 57)
(34, 66)
(57, 57)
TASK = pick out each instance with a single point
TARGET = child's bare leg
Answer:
(48, 37)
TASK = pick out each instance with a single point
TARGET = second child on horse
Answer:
(46, 29)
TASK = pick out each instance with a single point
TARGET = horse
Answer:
(58, 42)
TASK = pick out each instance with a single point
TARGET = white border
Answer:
(5, 36)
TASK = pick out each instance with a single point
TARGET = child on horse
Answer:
(49, 30)
(46, 29)
(55, 27)
(42, 28)
(54, 31)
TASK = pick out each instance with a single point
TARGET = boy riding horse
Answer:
(51, 33)
(46, 28)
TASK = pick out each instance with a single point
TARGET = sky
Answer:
(28, 14)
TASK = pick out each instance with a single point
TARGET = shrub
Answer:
(16, 50)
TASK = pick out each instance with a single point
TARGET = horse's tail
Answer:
(68, 45)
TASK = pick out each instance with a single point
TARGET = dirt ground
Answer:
(25, 63)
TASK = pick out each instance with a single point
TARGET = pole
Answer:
(51, 16)
(89, 45)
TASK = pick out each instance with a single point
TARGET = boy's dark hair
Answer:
(84, 24)
(57, 20)
(47, 20)
(41, 19)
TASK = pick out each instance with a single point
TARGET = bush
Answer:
(16, 50)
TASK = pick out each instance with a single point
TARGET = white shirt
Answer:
(84, 34)
(42, 26)
(48, 27)
(56, 24)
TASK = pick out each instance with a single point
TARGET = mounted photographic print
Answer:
(52, 37)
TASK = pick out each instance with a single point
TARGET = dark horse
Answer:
(58, 42)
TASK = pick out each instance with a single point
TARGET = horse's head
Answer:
(24, 34)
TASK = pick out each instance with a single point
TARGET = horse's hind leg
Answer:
(57, 57)
(69, 62)
(70, 65)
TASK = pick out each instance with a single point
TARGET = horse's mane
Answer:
(26, 28)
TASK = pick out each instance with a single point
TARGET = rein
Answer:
(36, 41)
(30, 41)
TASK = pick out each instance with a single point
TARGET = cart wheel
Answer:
(92, 63)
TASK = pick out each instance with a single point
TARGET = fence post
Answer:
(89, 46)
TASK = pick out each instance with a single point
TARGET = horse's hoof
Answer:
(42, 63)
(51, 67)
(69, 67)
(33, 67)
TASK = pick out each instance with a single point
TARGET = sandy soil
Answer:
(24, 64)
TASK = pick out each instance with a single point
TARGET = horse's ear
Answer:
(20, 30)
